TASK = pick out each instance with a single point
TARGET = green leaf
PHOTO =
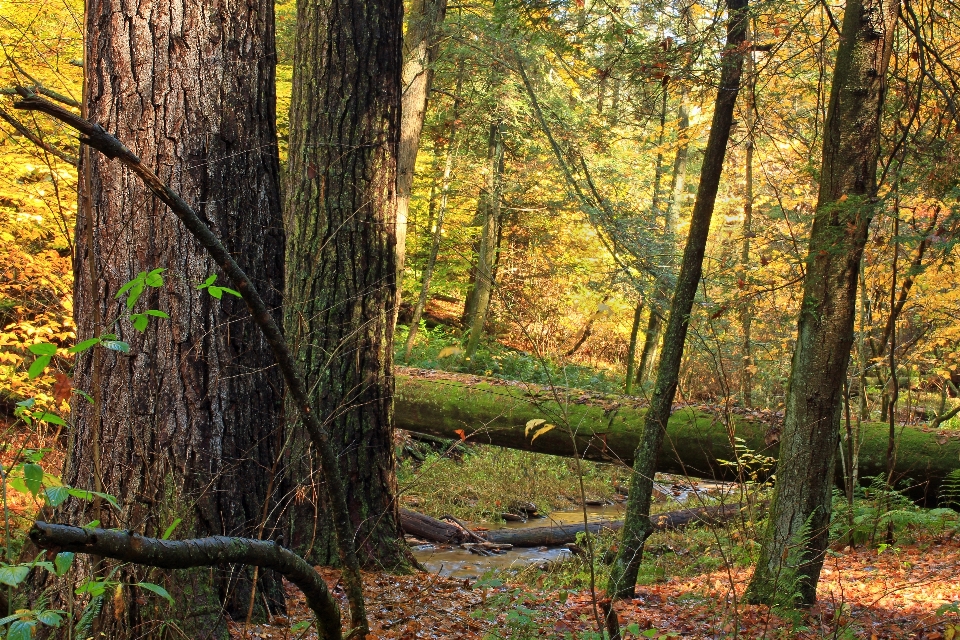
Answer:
(84, 394)
(62, 562)
(303, 625)
(169, 530)
(14, 575)
(116, 345)
(109, 498)
(50, 618)
(231, 292)
(11, 618)
(130, 284)
(210, 280)
(156, 313)
(26, 404)
(83, 346)
(140, 321)
(52, 418)
(154, 279)
(216, 292)
(43, 349)
(93, 587)
(56, 495)
(38, 366)
(21, 630)
(157, 589)
(93, 524)
(33, 476)
(135, 294)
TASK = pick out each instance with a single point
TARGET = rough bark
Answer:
(341, 242)
(128, 546)
(94, 136)
(191, 416)
(796, 537)
(427, 528)
(608, 429)
(623, 576)
(419, 52)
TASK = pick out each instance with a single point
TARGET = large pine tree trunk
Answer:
(798, 526)
(341, 241)
(623, 575)
(188, 424)
(419, 53)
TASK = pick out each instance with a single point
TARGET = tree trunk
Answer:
(651, 342)
(623, 576)
(340, 296)
(746, 309)
(438, 225)
(632, 347)
(419, 52)
(186, 425)
(796, 537)
(489, 236)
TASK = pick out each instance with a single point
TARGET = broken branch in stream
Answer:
(128, 546)
(427, 528)
(95, 136)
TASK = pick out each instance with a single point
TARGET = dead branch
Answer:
(128, 546)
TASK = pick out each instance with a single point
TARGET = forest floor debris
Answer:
(910, 591)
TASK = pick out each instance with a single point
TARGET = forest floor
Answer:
(864, 593)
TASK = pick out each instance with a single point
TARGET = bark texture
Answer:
(419, 52)
(623, 575)
(341, 242)
(798, 527)
(184, 425)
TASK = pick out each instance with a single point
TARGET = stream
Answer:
(455, 562)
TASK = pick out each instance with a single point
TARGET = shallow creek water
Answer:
(459, 563)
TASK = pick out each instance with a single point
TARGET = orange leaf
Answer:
(461, 433)
(62, 387)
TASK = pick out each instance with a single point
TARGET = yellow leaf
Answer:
(542, 430)
(536, 422)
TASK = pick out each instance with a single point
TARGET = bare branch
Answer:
(128, 546)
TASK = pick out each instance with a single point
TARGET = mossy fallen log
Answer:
(606, 428)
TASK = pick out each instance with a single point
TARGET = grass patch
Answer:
(488, 480)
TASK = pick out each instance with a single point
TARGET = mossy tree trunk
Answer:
(188, 425)
(341, 242)
(798, 526)
(623, 575)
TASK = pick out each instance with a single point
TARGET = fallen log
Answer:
(493, 411)
(427, 528)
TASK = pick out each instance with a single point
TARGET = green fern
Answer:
(950, 490)
(90, 613)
